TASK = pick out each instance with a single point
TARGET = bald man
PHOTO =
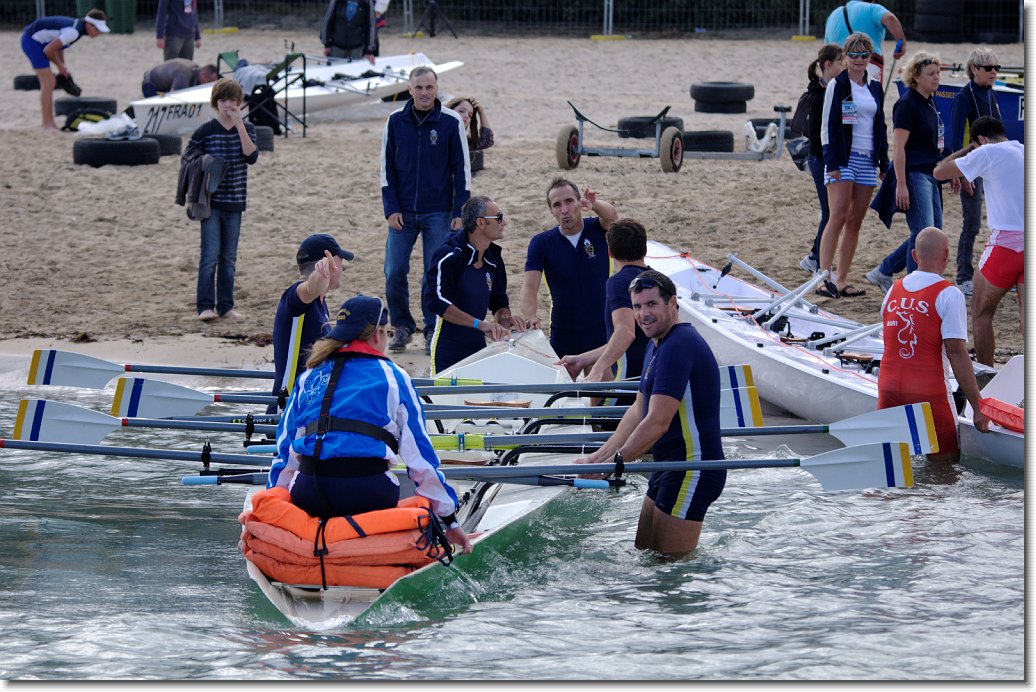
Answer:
(925, 324)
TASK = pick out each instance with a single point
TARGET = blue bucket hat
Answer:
(356, 314)
(312, 249)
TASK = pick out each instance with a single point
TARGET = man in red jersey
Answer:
(925, 324)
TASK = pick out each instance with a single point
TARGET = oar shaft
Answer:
(774, 430)
(433, 412)
(134, 452)
(200, 424)
(205, 372)
(644, 468)
(576, 387)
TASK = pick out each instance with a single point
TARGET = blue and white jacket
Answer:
(837, 139)
(46, 29)
(424, 162)
(376, 391)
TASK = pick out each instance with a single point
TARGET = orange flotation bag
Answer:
(1003, 414)
(282, 541)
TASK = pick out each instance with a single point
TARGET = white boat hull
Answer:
(183, 111)
(803, 381)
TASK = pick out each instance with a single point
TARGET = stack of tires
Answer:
(722, 97)
(939, 21)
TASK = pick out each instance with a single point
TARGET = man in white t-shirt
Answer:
(1000, 163)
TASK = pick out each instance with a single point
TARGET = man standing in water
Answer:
(675, 418)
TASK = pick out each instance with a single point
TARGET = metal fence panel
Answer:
(981, 20)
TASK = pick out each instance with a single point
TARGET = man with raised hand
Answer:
(466, 283)
(302, 315)
(1000, 163)
(573, 257)
(675, 418)
(925, 323)
(425, 179)
(622, 357)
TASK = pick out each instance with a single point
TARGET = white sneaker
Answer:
(966, 287)
(808, 264)
(880, 280)
(129, 131)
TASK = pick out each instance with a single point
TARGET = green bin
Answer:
(122, 15)
(84, 6)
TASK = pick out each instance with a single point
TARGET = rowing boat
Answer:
(1008, 385)
(806, 360)
(486, 507)
(319, 88)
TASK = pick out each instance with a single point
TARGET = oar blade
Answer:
(52, 421)
(137, 397)
(64, 368)
(740, 408)
(875, 465)
(912, 424)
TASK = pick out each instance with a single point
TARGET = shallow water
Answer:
(112, 569)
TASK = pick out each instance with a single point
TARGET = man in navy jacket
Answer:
(425, 180)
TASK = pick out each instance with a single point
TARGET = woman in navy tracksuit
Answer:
(855, 146)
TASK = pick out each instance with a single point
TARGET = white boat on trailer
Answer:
(324, 86)
(810, 362)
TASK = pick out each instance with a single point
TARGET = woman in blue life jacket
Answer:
(348, 417)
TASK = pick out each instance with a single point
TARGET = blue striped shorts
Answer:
(861, 170)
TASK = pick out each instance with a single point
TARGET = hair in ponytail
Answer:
(827, 53)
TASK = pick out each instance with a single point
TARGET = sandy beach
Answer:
(101, 260)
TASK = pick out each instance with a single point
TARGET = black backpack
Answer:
(800, 118)
(84, 114)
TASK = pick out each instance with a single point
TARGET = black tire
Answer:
(102, 152)
(943, 7)
(264, 137)
(720, 107)
(937, 24)
(760, 125)
(67, 104)
(168, 145)
(722, 92)
(708, 140)
(478, 160)
(566, 148)
(26, 82)
(643, 126)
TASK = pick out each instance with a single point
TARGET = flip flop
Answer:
(851, 291)
(829, 290)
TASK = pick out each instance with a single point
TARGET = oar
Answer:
(53, 367)
(876, 465)
(137, 397)
(203, 456)
(912, 424)
(261, 479)
(53, 421)
(69, 369)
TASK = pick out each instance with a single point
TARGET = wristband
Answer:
(477, 322)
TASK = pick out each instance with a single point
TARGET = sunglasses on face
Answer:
(499, 217)
(989, 68)
(858, 55)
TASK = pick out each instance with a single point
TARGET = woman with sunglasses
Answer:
(918, 142)
(855, 146)
(975, 100)
(350, 414)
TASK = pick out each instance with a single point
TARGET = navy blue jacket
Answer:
(971, 103)
(424, 162)
(840, 137)
(452, 279)
(171, 19)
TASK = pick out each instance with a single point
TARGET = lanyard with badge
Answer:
(941, 129)
(188, 6)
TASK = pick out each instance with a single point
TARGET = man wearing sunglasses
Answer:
(467, 281)
(573, 257)
(675, 417)
(869, 18)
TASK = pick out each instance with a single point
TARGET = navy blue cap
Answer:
(312, 249)
(356, 314)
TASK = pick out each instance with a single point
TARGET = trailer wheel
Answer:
(567, 148)
(671, 150)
